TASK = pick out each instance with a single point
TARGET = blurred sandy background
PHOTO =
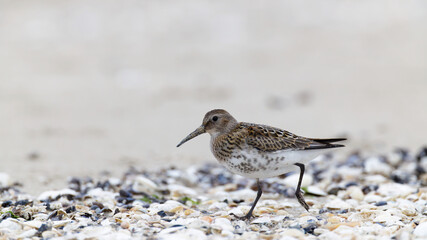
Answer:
(92, 86)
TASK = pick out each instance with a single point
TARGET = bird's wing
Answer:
(270, 139)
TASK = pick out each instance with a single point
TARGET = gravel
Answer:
(350, 198)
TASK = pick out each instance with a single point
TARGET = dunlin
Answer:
(259, 151)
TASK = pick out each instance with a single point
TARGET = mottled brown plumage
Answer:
(258, 151)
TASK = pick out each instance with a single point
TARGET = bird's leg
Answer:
(258, 196)
(298, 190)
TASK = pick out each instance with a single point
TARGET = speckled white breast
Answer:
(252, 163)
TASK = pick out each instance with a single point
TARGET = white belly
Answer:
(256, 164)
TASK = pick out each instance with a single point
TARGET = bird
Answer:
(259, 151)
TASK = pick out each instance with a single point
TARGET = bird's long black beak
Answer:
(197, 132)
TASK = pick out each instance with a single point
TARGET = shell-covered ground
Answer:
(353, 197)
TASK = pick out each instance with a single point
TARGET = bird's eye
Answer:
(215, 118)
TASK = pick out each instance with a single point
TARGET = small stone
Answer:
(27, 234)
(125, 224)
(407, 207)
(292, 180)
(143, 184)
(375, 165)
(421, 230)
(222, 224)
(337, 204)
(49, 234)
(297, 234)
(316, 191)
(181, 191)
(355, 193)
(385, 217)
(395, 190)
(10, 224)
(52, 195)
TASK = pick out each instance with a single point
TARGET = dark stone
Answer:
(349, 184)
(422, 153)
(310, 228)
(161, 213)
(177, 225)
(323, 210)
(125, 194)
(94, 207)
(70, 209)
(369, 188)
(87, 215)
(400, 177)
(381, 203)
(116, 211)
(7, 203)
(42, 228)
(334, 190)
(125, 200)
(21, 202)
(343, 211)
(100, 205)
(354, 160)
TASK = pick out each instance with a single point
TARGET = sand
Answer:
(89, 88)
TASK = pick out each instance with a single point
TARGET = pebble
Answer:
(421, 230)
(337, 204)
(395, 190)
(348, 199)
(355, 193)
(375, 165)
(292, 180)
(143, 184)
(55, 194)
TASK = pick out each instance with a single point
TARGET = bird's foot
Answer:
(301, 200)
(247, 217)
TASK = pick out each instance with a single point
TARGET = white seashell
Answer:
(27, 234)
(237, 211)
(316, 191)
(395, 190)
(178, 190)
(33, 223)
(222, 224)
(245, 193)
(292, 180)
(350, 173)
(421, 230)
(407, 207)
(261, 220)
(143, 184)
(375, 165)
(355, 193)
(114, 181)
(10, 224)
(167, 206)
(375, 179)
(337, 204)
(49, 234)
(63, 223)
(371, 198)
(218, 206)
(54, 194)
(190, 234)
(294, 233)
(100, 194)
(385, 217)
